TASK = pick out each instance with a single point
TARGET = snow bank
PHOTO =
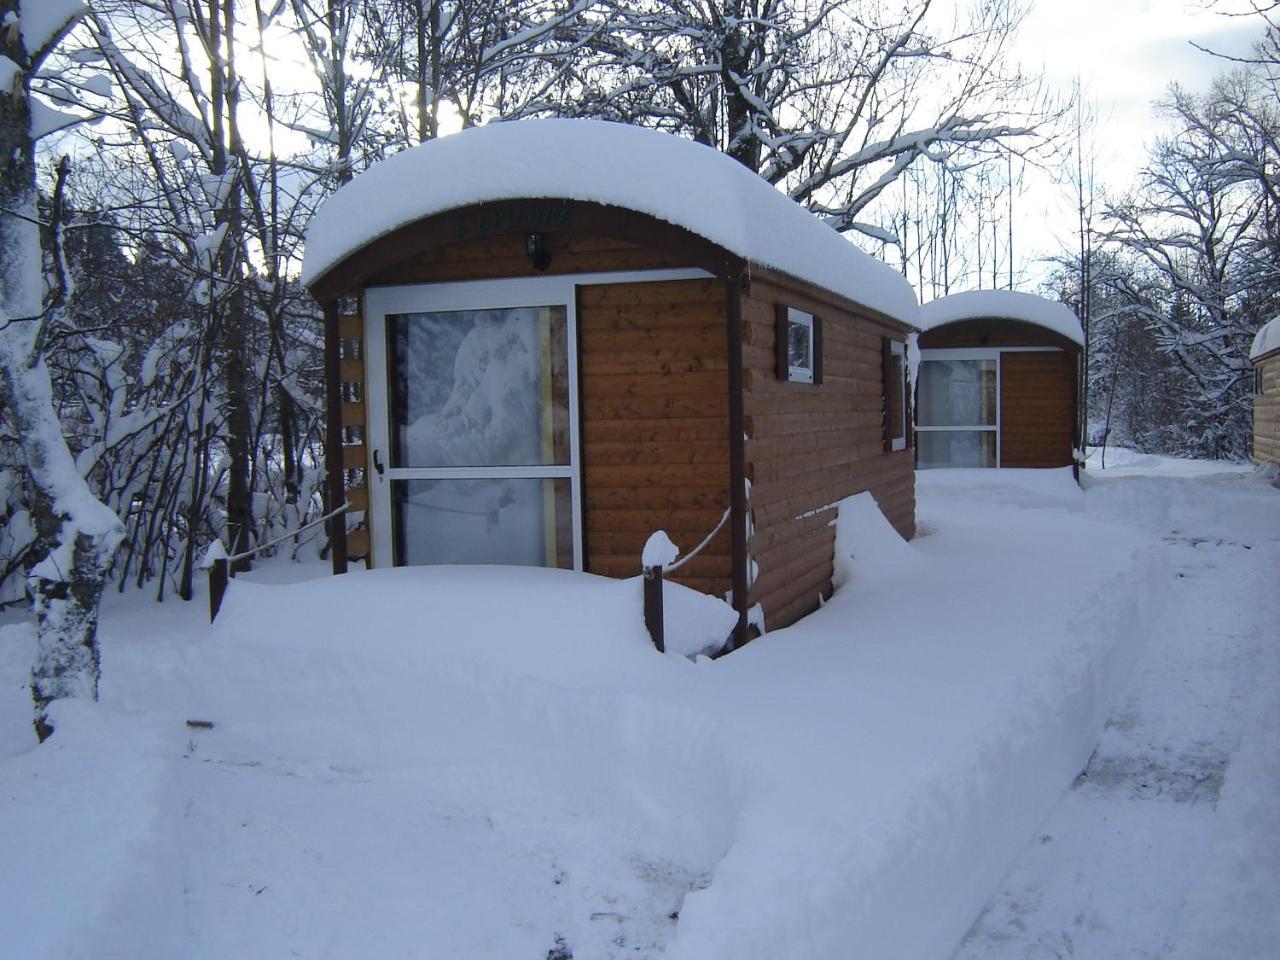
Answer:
(694, 623)
(1007, 304)
(1266, 340)
(664, 176)
(939, 726)
(868, 549)
(1122, 462)
(88, 839)
(495, 762)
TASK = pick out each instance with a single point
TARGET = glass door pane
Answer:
(957, 393)
(956, 448)
(478, 388)
(526, 521)
(957, 412)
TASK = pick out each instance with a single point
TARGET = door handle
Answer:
(377, 464)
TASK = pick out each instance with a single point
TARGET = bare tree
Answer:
(833, 100)
(1202, 219)
(75, 533)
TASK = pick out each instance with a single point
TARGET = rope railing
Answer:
(677, 564)
(220, 566)
(654, 570)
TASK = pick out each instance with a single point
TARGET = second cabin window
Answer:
(799, 345)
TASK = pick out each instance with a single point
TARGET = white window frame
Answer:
(548, 291)
(805, 319)
(899, 349)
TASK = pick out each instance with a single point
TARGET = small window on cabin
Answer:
(799, 345)
(799, 337)
(1257, 380)
(897, 397)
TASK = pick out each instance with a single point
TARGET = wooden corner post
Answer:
(333, 435)
(737, 455)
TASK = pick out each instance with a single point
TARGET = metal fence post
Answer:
(653, 606)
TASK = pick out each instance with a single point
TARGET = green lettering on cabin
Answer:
(524, 218)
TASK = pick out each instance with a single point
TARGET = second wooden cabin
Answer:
(1264, 354)
(999, 382)
(548, 339)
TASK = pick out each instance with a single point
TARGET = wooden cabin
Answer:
(1265, 357)
(999, 382)
(548, 339)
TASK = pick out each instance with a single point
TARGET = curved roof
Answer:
(1006, 305)
(667, 177)
(1267, 339)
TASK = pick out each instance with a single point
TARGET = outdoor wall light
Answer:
(535, 245)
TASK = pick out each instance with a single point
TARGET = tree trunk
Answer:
(75, 534)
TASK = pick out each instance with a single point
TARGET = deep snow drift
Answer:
(496, 763)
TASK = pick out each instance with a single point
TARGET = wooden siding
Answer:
(355, 462)
(655, 428)
(1037, 409)
(811, 445)
(503, 256)
(1266, 412)
(993, 332)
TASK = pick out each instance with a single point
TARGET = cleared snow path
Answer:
(1169, 845)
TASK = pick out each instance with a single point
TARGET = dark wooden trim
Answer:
(781, 356)
(976, 332)
(886, 374)
(548, 215)
(817, 349)
(653, 620)
(333, 454)
(781, 342)
(737, 457)
(1077, 420)
(582, 433)
(217, 586)
(908, 401)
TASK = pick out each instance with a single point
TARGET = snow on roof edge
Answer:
(1007, 304)
(610, 163)
(1266, 340)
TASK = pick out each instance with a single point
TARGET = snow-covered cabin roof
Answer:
(658, 174)
(1266, 340)
(1004, 304)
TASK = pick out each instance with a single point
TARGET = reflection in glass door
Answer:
(957, 409)
(477, 436)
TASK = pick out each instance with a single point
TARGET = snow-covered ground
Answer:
(495, 763)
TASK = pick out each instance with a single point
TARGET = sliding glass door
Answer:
(957, 409)
(473, 424)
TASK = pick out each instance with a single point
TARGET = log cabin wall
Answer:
(993, 332)
(810, 445)
(653, 394)
(655, 425)
(1266, 410)
(1037, 409)
(496, 257)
